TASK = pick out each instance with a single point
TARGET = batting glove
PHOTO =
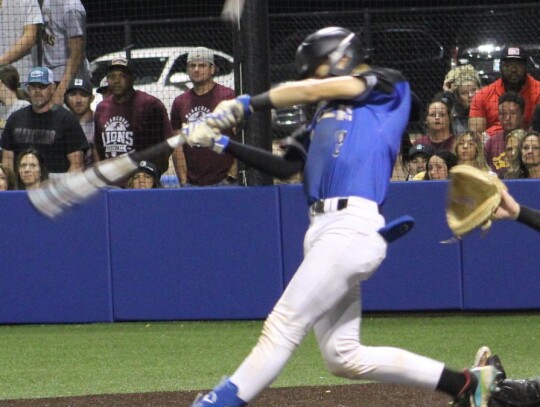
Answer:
(230, 113)
(199, 134)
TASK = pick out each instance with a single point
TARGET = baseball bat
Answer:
(57, 195)
(232, 10)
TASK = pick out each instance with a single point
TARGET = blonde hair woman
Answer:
(469, 150)
(511, 142)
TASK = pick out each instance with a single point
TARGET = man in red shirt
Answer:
(484, 112)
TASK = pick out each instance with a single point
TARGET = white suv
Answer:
(161, 72)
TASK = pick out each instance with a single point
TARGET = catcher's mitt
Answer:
(473, 196)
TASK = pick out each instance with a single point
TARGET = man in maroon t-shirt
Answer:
(130, 119)
(200, 166)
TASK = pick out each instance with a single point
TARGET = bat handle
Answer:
(163, 148)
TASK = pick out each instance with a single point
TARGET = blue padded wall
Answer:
(228, 253)
(294, 224)
(199, 253)
(501, 268)
(419, 272)
(54, 271)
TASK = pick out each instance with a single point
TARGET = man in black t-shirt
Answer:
(52, 130)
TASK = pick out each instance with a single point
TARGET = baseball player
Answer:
(347, 153)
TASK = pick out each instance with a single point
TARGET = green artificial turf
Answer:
(66, 360)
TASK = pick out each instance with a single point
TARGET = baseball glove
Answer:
(473, 196)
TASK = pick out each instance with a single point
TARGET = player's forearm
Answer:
(529, 217)
(314, 90)
(263, 160)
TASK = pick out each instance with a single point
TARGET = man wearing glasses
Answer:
(196, 166)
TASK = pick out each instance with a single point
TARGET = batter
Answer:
(347, 153)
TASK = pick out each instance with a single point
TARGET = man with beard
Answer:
(46, 127)
(201, 166)
(484, 112)
(78, 99)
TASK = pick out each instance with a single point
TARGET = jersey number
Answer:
(340, 138)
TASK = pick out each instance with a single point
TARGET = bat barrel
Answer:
(56, 195)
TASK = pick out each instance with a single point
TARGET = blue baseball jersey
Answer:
(352, 145)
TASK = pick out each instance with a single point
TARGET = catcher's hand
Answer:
(508, 209)
(229, 113)
(473, 198)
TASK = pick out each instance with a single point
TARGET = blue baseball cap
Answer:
(41, 75)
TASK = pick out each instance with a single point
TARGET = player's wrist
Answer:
(515, 212)
(220, 143)
(245, 101)
(262, 102)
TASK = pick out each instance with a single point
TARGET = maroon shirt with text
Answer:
(495, 152)
(136, 124)
(447, 144)
(204, 166)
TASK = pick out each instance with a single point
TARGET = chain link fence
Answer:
(421, 42)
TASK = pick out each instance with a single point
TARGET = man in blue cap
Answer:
(49, 128)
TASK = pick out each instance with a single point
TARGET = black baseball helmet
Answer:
(330, 44)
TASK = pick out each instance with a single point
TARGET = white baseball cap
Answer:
(201, 54)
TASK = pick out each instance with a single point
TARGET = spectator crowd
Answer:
(48, 127)
(495, 128)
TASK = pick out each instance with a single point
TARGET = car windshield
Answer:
(147, 70)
